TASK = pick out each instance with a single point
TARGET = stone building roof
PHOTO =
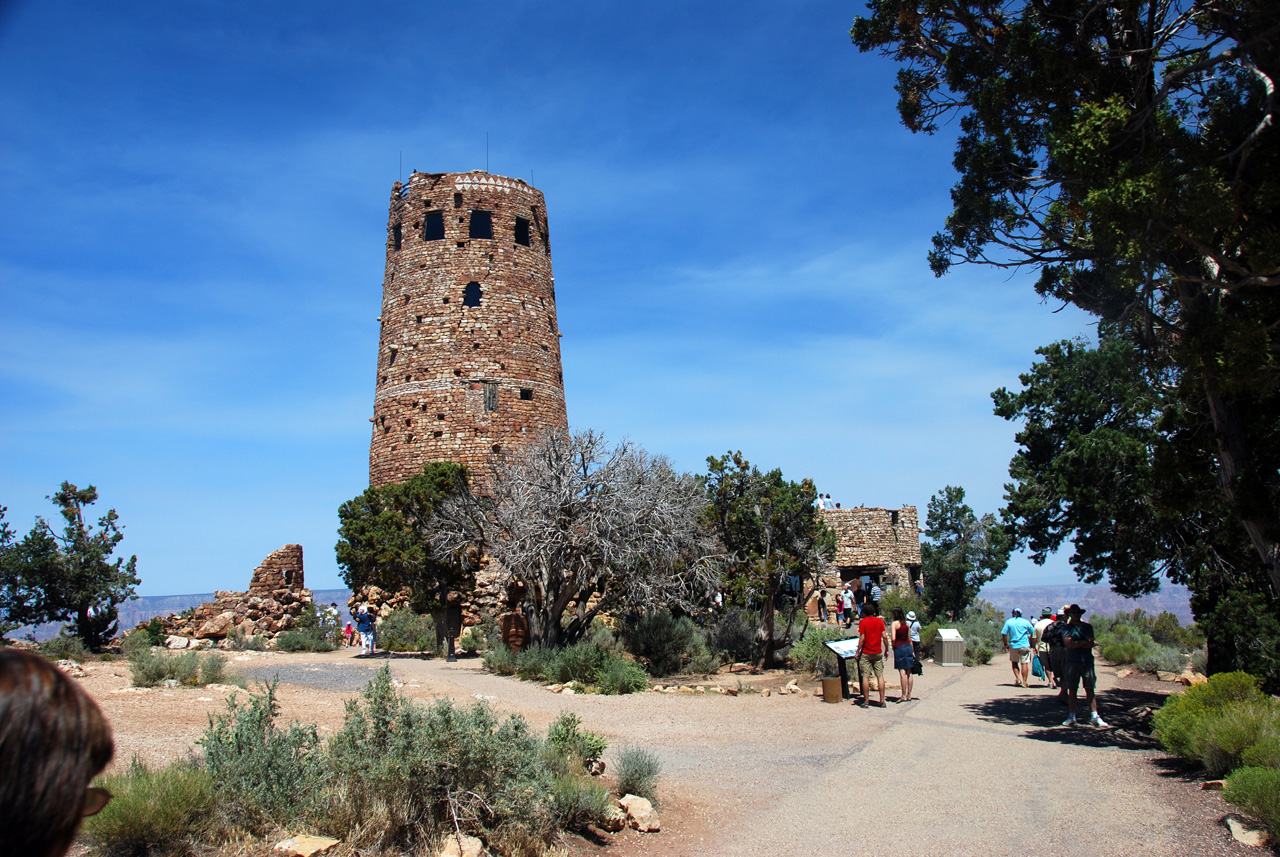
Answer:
(875, 537)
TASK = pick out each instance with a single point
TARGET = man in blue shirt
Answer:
(1017, 640)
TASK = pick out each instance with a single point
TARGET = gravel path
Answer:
(973, 767)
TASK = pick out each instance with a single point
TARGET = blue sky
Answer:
(191, 252)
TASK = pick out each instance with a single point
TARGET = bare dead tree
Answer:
(587, 527)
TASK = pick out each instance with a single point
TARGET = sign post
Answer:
(844, 650)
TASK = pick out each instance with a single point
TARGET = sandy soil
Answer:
(974, 766)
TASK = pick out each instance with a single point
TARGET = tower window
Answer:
(481, 225)
(526, 394)
(434, 228)
(457, 200)
(522, 231)
(397, 237)
(490, 396)
(471, 297)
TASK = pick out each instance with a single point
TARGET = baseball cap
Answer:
(1016, 612)
(1046, 613)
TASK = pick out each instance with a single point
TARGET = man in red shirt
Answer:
(873, 642)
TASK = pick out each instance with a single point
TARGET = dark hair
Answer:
(53, 742)
(898, 615)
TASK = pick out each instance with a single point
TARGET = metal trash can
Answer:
(948, 648)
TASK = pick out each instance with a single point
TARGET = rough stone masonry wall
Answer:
(277, 595)
(466, 372)
(872, 538)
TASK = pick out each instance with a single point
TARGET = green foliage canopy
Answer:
(67, 576)
(771, 532)
(961, 552)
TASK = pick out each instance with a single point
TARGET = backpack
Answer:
(1053, 635)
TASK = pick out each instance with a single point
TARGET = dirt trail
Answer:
(974, 766)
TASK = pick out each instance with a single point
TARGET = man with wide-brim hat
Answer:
(1078, 639)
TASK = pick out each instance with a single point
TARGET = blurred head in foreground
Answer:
(53, 742)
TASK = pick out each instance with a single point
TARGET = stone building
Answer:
(469, 348)
(880, 544)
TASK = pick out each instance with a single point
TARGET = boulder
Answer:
(307, 846)
(217, 626)
(764, 692)
(614, 821)
(173, 641)
(640, 814)
(1168, 676)
(462, 845)
(1212, 785)
(1246, 833)
(1190, 678)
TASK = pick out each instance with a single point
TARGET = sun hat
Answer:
(1077, 609)
(1046, 613)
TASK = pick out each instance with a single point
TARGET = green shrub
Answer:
(659, 640)
(1264, 754)
(927, 634)
(906, 599)
(1257, 792)
(1162, 658)
(579, 801)
(1166, 629)
(213, 668)
(239, 641)
(809, 649)
(472, 640)
(416, 771)
(536, 663)
(308, 634)
(64, 647)
(977, 653)
(980, 626)
(500, 660)
(732, 633)
(406, 631)
(185, 668)
(154, 629)
(580, 662)
(135, 643)
(568, 739)
(149, 668)
(152, 809)
(1225, 734)
(702, 663)
(264, 776)
(638, 772)
(1126, 652)
(1178, 723)
(1200, 660)
(620, 676)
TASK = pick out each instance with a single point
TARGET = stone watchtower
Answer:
(469, 350)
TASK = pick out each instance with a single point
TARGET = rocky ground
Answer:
(974, 766)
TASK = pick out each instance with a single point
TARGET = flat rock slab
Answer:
(307, 846)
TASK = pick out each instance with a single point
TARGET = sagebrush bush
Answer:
(472, 640)
(620, 676)
(1124, 652)
(536, 663)
(1264, 754)
(134, 643)
(500, 660)
(567, 737)
(579, 800)
(421, 770)
(1257, 792)
(406, 631)
(580, 662)
(1178, 724)
(809, 649)
(152, 809)
(1162, 658)
(239, 641)
(732, 633)
(638, 772)
(660, 640)
(308, 634)
(265, 776)
(149, 667)
(63, 647)
(1225, 734)
(980, 626)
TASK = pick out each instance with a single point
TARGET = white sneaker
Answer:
(1095, 720)
(1070, 721)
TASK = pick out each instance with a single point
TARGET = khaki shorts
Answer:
(871, 665)
(1019, 656)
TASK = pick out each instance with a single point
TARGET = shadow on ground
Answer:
(1125, 710)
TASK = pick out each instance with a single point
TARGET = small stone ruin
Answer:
(275, 598)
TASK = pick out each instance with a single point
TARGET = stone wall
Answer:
(276, 596)
(469, 347)
(883, 543)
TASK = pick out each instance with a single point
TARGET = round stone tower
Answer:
(469, 350)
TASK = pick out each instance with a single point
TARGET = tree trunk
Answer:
(765, 635)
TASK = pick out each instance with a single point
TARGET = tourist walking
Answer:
(914, 625)
(873, 643)
(1079, 643)
(1040, 647)
(365, 625)
(859, 596)
(822, 605)
(903, 654)
(876, 593)
(850, 602)
(1054, 635)
(1017, 641)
